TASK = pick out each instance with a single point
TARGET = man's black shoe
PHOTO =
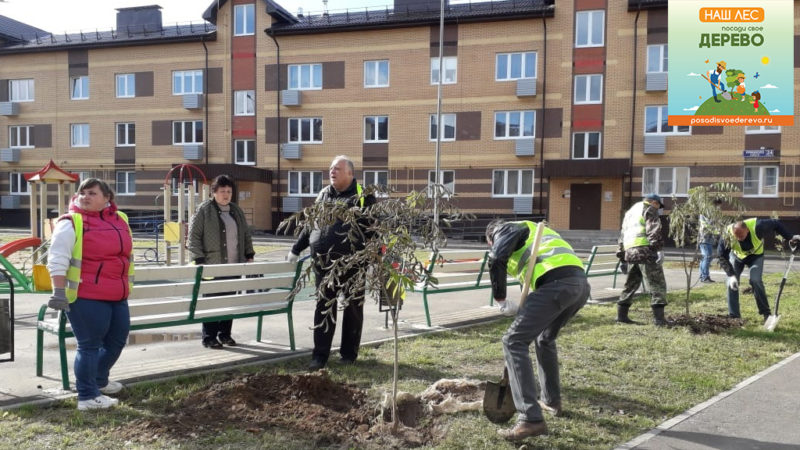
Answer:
(212, 343)
(315, 365)
(346, 361)
(227, 340)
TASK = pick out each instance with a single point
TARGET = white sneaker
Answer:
(99, 402)
(112, 387)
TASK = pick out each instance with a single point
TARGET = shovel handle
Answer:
(537, 239)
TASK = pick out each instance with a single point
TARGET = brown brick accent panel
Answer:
(271, 74)
(162, 132)
(375, 155)
(215, 80)
(144, 84)
(78, 61)
(43, 135)
(657, 26)
(333, 75)
(468, 126)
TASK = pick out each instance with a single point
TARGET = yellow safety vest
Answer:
(74, 271)
(758, 244)
(634, 232)
(553, 252)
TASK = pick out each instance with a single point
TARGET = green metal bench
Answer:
(174, 295)
(603, 262)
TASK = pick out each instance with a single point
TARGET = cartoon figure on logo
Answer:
(713, 77)
(740, 89)
(756, 97)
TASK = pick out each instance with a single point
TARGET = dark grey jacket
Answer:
(207, 243)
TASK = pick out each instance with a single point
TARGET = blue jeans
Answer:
(707, 250)
(101, 329)
(760, 294)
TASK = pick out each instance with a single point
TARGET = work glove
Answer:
(58, 300)
(794, 241)
(733, 283)
(620, 255)
(659, 257)
(291, 257)
(508, 307)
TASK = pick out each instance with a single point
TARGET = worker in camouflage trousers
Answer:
(640, 246)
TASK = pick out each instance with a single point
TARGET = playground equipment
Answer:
(175, 232)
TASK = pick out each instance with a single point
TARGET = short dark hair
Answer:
(222, 181)
(493, 226)
(104, 187)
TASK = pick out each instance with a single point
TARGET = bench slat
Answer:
(161, 290)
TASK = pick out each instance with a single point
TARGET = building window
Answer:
(243, 20)
(512, 183)
(586, 145)
(80, 134)
(305, 76)
(20, 136)
(588, 89)
(448, 124)
(665, 181)
(305, 130)
(21, 90)
(79, 88)
(83, 175)
(244, 103)
(449, 65)
(187, 132)
(762, 130)
(376, 129)
(187, 82)
(18, 184)
(126, 85)
(655, 122)
(589, 28)
(760, 181)
(515, 66)
(377, 178)
(126, 182)
(126, 134)
(657, 58)
(245, 152)
(514, 124)
(305, 183)
(446, 178)
(376, 74)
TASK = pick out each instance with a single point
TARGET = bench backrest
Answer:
(453, 267)
(602, 261)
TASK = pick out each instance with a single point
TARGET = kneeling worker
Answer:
(559, 289)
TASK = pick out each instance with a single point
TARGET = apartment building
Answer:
(549, 109)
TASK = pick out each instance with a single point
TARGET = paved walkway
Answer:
(761, 412)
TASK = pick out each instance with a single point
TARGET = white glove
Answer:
(291, 257)
(659, 257)
(508, 307)
(733, 283)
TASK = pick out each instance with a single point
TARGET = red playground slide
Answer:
(10, 248)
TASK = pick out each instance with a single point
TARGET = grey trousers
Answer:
(546, 310)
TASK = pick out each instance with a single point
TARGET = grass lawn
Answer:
(617, 381)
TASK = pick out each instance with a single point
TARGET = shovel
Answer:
(498, 405)
(772, 320)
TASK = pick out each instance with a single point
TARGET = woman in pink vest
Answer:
(90, 262)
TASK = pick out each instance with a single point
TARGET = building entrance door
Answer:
(584, 206)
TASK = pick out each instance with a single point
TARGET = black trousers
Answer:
(325, 321)
(222, 328)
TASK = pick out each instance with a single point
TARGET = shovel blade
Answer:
(772, 322)
(726, 95)
(498, 405)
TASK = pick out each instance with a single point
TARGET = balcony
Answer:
(9, 108)
(291, 150)
(193, 152)
(656, 81)
(9, 155)
(290, 97)
(655, 145)
(193, 101)
(523, 147)
(526, 87)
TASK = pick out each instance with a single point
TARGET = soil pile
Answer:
(705, 323)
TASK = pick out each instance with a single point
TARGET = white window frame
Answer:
(522, 124)
(589, 95)
(295, 77)
(375, 129)
(661, 119)
(764, 129)
(79, 134)
(450, 67)
(126, 85)
(298, 176)
(586, 135)
(662, 58)
(762, 175)
(183, 140)
(657, 172)
(174, 186)
(375, 67)
(17, 184)
(244, 103)
(23, 90)
(129, 177)
(195, 78)
(372, 177)
(299, 125)
(451, 186)
(524, 65)
(590, 28)
(124, 138)
(448, 119)
(79, 87)
(519, 184)
(18, 131)
(244, 24)
(247, 155)
(83, 175)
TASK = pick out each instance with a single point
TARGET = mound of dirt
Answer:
(705, 323)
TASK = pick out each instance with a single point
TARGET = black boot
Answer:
(658, 316)
(622, 313)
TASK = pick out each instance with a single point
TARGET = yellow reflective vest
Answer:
(553, 252)
(634, 230)
(758, 244)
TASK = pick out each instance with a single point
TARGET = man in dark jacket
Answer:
(745, 248)
(328, 245)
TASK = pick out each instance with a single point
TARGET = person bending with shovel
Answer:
(559, 289)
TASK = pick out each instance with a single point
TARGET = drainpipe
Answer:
(271, 34)
(541, 146)
(633, 106)
(205, 101)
